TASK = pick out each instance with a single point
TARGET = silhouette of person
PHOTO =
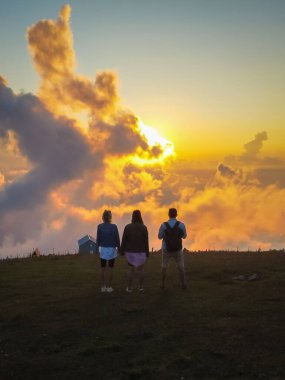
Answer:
(108, 244)
(135, 247)
(172, 232)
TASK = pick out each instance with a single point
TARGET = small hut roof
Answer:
(86, 238)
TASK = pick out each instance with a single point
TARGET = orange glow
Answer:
(154, 140)
(228, 186)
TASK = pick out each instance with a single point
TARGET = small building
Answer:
(87, 245)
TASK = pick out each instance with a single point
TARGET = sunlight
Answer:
(154, 140)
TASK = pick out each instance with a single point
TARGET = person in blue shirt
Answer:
(171, 233)
(108, 245)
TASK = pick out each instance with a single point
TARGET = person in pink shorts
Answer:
(135, 247)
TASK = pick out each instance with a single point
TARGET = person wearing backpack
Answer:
(171, 233)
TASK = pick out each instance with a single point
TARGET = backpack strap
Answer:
(176, 225)
(167, 225)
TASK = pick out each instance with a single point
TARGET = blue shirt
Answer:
(107, 235)
(171, 222)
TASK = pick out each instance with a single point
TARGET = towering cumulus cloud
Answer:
(57, 153)
(252, 148)
(58, 171)
(62, 90)
(68, 168)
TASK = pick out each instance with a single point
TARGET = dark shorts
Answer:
(110, 263)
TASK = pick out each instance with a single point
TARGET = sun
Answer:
(153, 138)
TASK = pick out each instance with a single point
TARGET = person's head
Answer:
(107, 216)
(172, 213)
(137, 217)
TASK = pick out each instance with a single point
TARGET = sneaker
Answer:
(141, 290)
(103, 289)
(110, 289)
(129, 290)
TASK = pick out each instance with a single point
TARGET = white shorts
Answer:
(108, 253)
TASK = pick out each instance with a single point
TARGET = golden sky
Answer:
(208, 142)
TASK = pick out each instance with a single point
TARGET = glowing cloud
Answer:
(163, 147)
(253, 147)
(62, 90)
(65, 163)
(63, 175)
(2, 179)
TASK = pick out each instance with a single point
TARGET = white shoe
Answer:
(103, 289)
(141, 290)
(129, 290)
(110, 289)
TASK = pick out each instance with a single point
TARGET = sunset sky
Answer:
(208, 76)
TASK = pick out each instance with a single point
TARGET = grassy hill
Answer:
(55, 323)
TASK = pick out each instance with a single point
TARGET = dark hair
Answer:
(172, 213)
(107, 216)
(137, 217)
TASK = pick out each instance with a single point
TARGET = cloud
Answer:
(2, 180)
(251, 156)
(232, 216)
(3, 80)
(75, 164)
(226, 171)
(252, 167)
(56, 150)
(56, 177)
(268, 176)
(120, 136)
(61, 89)
(253, 147)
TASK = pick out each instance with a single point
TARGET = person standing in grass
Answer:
(172, 232)
(136, 249)
(108, 245)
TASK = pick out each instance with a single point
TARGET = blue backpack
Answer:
(173, 237)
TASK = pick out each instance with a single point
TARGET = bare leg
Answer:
(130, 277)
(163, 277)
(110, 279)
(103, 282)
(182, 277)
(141, 275)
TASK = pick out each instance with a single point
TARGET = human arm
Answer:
(183, 228)
(117, 238)
(98, 238)
(146, 242)
(123, 243)
(161, 231)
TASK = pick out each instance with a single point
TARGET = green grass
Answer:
(55, 324)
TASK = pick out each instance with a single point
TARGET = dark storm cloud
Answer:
(121, 138)
(226, 171)
(56, 150)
